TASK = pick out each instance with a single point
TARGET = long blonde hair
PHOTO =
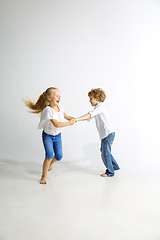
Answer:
(41, 103)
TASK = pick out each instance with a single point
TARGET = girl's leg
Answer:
(48, 146)
(51, 164)
(46, 164)
(57, 146)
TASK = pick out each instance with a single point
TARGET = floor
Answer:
(77, 204)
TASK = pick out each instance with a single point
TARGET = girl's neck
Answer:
(55, 107)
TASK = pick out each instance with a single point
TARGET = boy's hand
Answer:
(76, 119)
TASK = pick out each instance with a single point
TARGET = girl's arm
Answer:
(62, 124)
(68, 117)
(84, 117)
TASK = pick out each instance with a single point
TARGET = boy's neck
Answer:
(97, 103)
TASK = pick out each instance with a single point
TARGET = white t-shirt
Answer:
(45, 123)
(102, 119)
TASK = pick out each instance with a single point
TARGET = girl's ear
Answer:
(48, 98)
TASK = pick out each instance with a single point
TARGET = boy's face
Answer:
(93, 101)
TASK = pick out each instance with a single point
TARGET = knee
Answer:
(59, 156)
(48, 159)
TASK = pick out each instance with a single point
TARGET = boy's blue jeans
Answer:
(106, 155)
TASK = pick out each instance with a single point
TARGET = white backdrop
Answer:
(77, 45)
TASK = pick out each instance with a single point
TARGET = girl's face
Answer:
(55, 97)
(93, 101)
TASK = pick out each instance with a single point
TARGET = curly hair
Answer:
(41, 103)
(97, 93)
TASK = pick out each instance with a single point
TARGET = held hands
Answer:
(72, 120)
(69, 118)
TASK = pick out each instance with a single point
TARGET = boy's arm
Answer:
(84, 117)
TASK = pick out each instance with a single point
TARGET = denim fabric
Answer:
(106, 155)
(52, 145)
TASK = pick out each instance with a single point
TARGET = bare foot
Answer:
(51, 164)
(43, 180)
(103, 175)
(50, 167)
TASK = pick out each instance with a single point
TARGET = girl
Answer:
(51, 121)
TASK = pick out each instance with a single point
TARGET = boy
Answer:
(105, 129)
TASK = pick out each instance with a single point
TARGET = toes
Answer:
(103, 175)
(43, 181)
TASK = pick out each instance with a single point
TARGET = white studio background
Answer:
(77, 45)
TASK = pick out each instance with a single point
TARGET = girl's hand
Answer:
(70, 118)
(72, 121)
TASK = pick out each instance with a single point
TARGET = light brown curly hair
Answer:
(41, 103)
(98, 93)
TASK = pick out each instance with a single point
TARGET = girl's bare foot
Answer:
(50, 167)
(103, 175)
(51, 164)
(43, 180)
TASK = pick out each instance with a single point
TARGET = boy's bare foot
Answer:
(50, 167)
(43, 180)
(103, 175)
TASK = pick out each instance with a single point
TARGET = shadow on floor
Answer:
(29, 167)
(62, 167)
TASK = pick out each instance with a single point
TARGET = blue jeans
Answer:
(52, 145)
(106, 155)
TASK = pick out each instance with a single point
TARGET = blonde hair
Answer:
(97, 93)
(41, 103)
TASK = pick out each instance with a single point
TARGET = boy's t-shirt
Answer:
(103, 121)
(45, 123)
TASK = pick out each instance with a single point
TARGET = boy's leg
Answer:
(115, 164)
(107, 157)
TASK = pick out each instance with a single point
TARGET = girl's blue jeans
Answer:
(106, 155)
(52, 145)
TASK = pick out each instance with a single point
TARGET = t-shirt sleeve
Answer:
(47, 114)
(95, 112)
